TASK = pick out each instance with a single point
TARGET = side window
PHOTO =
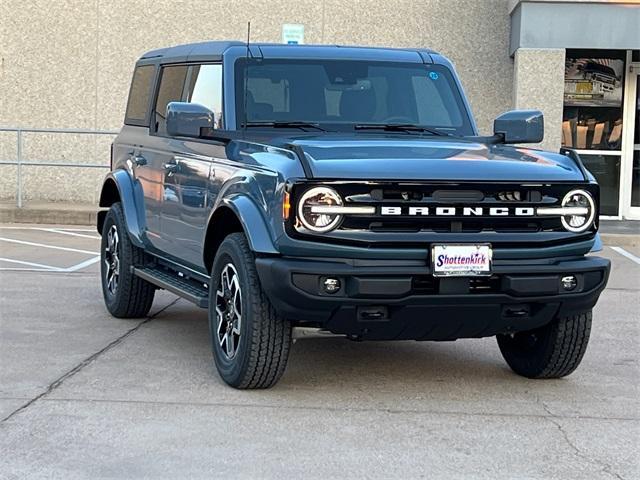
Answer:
(138, 104)
(205, 88)
(171, 85)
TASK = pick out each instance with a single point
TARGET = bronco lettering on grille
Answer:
(459, 211)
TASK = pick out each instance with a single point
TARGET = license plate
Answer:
(584, 87)
(461, 260)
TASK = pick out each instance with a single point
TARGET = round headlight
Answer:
(319, 197)
(583, 215)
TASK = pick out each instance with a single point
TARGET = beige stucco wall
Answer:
(538, 83)
(68, 63)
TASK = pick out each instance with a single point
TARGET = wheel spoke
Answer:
(236, 326)
(230, 345)
(219, 323)
(112, 260)
(229, 310)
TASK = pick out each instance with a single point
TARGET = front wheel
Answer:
(552, 351)
(250, 341)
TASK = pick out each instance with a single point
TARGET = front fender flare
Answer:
(597, 244)
(253, 223)
(132, 200)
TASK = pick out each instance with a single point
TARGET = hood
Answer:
(357, 158)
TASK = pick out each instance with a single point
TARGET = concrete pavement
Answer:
(84, 395)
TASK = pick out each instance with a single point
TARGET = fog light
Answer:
(331, 285)
(569, 282)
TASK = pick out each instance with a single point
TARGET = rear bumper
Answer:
(381, 300)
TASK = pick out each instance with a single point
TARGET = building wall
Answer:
(538, 83)
(68, 63)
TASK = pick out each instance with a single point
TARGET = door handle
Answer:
(139, 160)
(171, 167)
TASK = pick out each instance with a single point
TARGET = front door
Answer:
(631, 153)
(187, 203)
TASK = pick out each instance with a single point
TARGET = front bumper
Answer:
(384, 300)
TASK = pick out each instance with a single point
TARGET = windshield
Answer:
(344, 94)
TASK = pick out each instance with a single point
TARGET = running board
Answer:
(190, 290)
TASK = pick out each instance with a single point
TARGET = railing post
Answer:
(19, 168)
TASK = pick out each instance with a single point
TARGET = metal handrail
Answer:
(19, 163)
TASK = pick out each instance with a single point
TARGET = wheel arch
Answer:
(119, 187)
(236, 214)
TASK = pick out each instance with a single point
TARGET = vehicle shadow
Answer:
(325, 361)
(332, 362)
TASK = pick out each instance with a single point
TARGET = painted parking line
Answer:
(47, 268)
(72, 233)
(39, 267)
(624, 253)
(44, 245)
(78, 232)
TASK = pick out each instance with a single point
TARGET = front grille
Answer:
(406, 196)
(430, 285)
(372, 229)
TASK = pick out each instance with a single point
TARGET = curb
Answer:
(61, 216)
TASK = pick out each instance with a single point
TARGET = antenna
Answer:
(246, 74)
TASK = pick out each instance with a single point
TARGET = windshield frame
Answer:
(467, 127)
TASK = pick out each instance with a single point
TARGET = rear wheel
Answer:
(552, 351)
(250, 341)
(125, 295)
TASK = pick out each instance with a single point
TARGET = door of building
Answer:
(630, 170)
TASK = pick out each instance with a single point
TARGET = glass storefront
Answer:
(635, 170)
(593, 116)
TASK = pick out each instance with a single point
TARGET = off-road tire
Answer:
(552, 351)
(133, 296)
(265, 337)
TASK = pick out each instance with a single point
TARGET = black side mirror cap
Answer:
(187, 119)
(520, 126)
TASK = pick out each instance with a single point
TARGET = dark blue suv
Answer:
(294, 189)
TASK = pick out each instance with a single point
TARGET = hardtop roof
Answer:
(214, 51)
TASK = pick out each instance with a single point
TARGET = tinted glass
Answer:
(171, 86)
(139, 94)
(606, 169)
(593, 94)
(205, 88)
(341, 93)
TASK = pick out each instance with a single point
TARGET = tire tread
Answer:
(269, 344)
(565, 344)
(134, 295)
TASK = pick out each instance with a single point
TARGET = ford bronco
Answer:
(344, 190)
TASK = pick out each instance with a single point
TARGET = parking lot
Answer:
(84, 395)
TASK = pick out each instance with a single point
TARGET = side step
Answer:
(183, 287)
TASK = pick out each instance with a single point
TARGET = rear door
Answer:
(161, 153)
(134, 149)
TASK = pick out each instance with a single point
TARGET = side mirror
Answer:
(520, 126)
(186, 119)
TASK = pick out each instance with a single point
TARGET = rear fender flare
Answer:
(131, 198)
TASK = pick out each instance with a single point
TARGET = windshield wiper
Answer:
(400, 127)
(300, 125)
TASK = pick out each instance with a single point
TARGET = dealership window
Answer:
(593, 114)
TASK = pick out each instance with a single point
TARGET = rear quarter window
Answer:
(139, 96)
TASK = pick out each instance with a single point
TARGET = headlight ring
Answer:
(319, 197)
(578, 199)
